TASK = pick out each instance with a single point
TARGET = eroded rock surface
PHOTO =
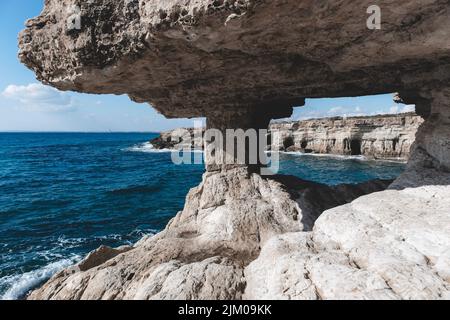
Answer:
(203, 57)
(100, 256)
(430, 159)
(204, 250)
(180, 139)
(387, 245)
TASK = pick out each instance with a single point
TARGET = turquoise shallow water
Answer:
(65, 194)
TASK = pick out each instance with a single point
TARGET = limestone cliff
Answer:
(387, 137)
(240, 64)
(379, 137)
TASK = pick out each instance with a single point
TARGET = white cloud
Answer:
(336, 111)
(402, 109)
(394, 109)
(340, 111)
(409, 108)
(39, 98)
(344, 112)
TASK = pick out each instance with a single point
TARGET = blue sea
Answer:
(63, 195)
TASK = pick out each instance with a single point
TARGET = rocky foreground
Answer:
(386, 137)
(244, 237)
(207, 249)
(241, 64)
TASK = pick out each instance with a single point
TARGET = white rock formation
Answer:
(205, 248)
(387, 245)
(387, 137)
(381, 137)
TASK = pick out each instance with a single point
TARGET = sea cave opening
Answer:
(288, 142)
(355, 147)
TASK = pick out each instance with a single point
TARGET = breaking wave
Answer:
(19, 285)
(147, 147)
(334, 156)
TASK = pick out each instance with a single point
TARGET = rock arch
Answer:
(167, 59)
(234, 63)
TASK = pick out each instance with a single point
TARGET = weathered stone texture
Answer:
(205, 248)
(387, 245)
(203, 57)
(242, 63)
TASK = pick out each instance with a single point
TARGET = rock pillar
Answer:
(235, 137)
(430, 157)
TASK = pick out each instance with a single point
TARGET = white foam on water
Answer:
(69, 243)
(19, 285)
(323, 155)
(147, 147)
(334, 156)
(342, 157)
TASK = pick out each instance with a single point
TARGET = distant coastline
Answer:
(378, 137)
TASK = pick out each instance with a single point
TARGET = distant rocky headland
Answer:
(386, 137)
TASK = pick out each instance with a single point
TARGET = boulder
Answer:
(386, 245)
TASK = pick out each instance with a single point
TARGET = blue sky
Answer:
(26, 105)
